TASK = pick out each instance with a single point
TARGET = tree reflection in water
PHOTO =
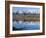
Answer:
(25, 25)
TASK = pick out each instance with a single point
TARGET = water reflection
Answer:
(26, 25)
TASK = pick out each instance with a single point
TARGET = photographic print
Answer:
(24, 19)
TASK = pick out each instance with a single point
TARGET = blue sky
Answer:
(25, 8)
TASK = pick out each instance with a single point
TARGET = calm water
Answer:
(20, 25)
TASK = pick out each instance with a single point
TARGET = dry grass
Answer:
(28, 18)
